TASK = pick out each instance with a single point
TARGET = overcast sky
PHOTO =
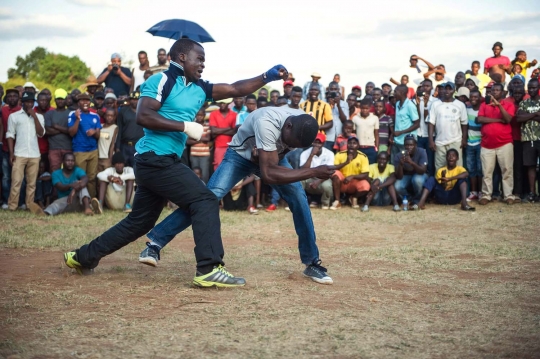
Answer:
(363, 41)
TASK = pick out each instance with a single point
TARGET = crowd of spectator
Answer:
(420, 137)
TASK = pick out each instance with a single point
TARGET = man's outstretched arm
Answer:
(245, 87)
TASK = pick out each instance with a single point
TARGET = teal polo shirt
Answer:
(180, 101)
(406, 114)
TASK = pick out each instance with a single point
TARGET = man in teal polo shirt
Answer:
(167, 108)
(407, 119)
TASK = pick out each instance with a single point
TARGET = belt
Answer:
(129, 143)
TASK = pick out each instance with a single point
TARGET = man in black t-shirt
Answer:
(116, 76)
(129, 132)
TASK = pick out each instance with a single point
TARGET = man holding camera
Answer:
(116, 76)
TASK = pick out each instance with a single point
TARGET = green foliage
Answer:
(48, 70)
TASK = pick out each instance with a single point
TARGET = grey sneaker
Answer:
(150, 255)
(365, 208)
(317, 273)
(219, 277)
(396, 208)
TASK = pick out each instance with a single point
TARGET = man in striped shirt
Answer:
(318, 109)
(474, 163)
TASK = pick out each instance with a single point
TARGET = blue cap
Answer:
(520, 77)
(116, 55)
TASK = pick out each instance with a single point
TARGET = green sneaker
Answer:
(71, 262)
(219, 277)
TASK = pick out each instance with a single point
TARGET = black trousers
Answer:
(521, 181)
(128, 151)
(160, 178)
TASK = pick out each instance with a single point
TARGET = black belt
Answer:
(129, 143)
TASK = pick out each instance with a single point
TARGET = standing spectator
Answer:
(287, 89)
(263, 93)
(411, 168)
(529, 118)
(459, 80)
(281, 101)
(200, 150)
(407, 119)
(319, 109)
(70, 183)
(107, 138)
(474, 162)
(162, 62)
(110, 102)
(25, 126)
(99, 105)
(238, 105)
(369, 88)
(251, 105)
(262, 102)
(315, 156)
(521, 60)
(342, 139)
(56, 127)
(84, 128)
(115, 76)
(424, 102)
(12, 105)
(116, 185)
(74, 96)
(367, 131)
(449, 119)
(437, 75)
(222, 128)
(44, 106)
(340, 111)
(357, 90)
(496, 143)
(129, 132)
(296, 97)
(337, 79)
(415, 71)
(480, 79)
(382, 179)
(315, 77)
(384, 126)
(137, 73)
(352, 172)
(274, 94)
(498, 65)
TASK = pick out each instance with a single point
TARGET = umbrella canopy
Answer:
(177, 29)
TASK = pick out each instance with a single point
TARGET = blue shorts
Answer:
(474, 164)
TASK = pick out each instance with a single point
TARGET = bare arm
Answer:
(484, 120)
(394, 81)
(389, 181)
(148, 117)
(415, 126)
(111, 147)
(230, 131)
(242, 87)
(40, 130)
(124, 77)
(73, 129)
(376, 134)
(523, 116)
(328, 125)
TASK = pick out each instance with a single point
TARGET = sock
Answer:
(205, 269)
(152, 243)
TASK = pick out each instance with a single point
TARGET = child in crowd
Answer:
(521, 60)
(43, 187)
(200, 150)
(405, 81)
(107, 138)
(367, 131)
(474, 163)
(385, 122)
(341, 140)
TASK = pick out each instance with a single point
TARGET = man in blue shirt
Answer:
(84, 127)
(167, 108)
(407, 120)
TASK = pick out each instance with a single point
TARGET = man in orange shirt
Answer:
(222, 128)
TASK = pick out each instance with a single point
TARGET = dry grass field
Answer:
(440, 283)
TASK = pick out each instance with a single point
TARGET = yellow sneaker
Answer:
(219, 277)
(71, 262)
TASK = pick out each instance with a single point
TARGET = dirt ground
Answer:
(440, 283)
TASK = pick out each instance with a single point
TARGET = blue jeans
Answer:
(275, 197)
(370, 153)
(443, 196)
(231, 170)
(423, 142)
(381, 198)
(415, 181)
(474, 164)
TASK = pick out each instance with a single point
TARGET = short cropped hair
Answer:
(304, 128)
(182, 46)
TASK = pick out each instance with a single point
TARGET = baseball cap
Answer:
(111, 95)
(12, 91)
(490, 84)
(99, 94)
(321, 137)
(83, 96)
(60, 93)
(116, 55)
(463, 91)
(449, 83)
(225, 100)
(316, 74)
(29, 84)
(28, 96)
(352, 138)
(357, 87)
(288, 83)
(520, 77)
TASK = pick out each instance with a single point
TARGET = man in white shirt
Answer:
(315, 156)
(449, 119)
(340, 114)
(424, 101)
(25, 126)
(115, 186)
(414, 71)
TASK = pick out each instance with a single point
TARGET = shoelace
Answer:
(224, 271)
(317, 265)
(155, 248)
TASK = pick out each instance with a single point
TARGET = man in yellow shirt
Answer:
(318, 109)
(449, 184)
(352, 172)
(382, 178)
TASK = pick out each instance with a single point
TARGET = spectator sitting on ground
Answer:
(411, 167)
(342, 139)
(352, 172)
(382, 177)
(70, 183)
(115, 186)
(315, 156)
(241, 196)
(449, 184)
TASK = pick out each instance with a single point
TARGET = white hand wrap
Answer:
(193, 130)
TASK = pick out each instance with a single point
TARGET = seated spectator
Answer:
(352, 172)
(411, 167)
(449, 184)
(367, 131)
(241, 196)
(115, 186)
(315, 156)
(70, 183)
(43, 187)
(341, 140)
(382, 177)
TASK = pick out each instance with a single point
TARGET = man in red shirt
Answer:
(498, 65)
(222, 127)
(497, 143)
(12, 105)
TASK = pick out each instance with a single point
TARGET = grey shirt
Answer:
(262, 129)
(61, 141)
